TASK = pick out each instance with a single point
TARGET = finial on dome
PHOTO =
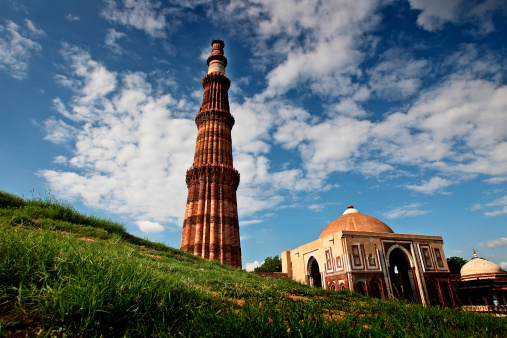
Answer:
(350, 210)
(475, 255)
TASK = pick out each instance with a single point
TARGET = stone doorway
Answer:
(314, 273)
(376, 290)
(434, 293)
(361, 288)
(402, 276)
(446, 291)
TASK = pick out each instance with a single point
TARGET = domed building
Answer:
(482, 283)
(360, 253)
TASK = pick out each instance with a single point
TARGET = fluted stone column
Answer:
(211, 228)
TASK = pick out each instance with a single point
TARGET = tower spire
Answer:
(217, 61)
(211, 227)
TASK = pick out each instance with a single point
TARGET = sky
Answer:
(397, 107)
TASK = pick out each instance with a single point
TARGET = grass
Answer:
(67, 274)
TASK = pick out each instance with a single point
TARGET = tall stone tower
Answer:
(211, 228)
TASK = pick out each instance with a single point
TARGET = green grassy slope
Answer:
(67, 274)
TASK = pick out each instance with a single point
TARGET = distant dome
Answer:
(479, 268)
(353, 220)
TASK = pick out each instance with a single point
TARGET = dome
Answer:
(353, 220)
(479, 268)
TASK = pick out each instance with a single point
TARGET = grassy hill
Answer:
(67, 274)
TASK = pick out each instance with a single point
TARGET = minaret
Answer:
(211, 228)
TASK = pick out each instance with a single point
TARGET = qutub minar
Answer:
(211, 227)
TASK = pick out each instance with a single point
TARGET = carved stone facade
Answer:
(360, 253)
(211, 227)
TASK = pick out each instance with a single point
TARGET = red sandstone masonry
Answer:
(211, 227)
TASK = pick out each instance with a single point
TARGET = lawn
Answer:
(63, 273)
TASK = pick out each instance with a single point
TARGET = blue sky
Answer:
(396, 107)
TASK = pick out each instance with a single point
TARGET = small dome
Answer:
(479, 268)
(353, 220)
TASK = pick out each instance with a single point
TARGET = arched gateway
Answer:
(314, 277)
(402, 276)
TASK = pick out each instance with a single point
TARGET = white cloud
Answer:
(309, 47)
(348, 107)
(71, 17)
(144, 15)
(124, 125)
(325, 65)
(408, 210)
(131, 150)
(457, 251)
(149, 227)
(249, 222)
(261, 186)
(310, 44)
(251, 266)
(253, 123)
(397, 74)
(322, 149)
(58, 131)
(497, 243)
(373, 168)
(443, 129)
(496, 180)
(503, 265)
(435, 14)
(501, 203)
(17, 46)
(110, 40)
(325, 147)
(435, 184)
(316, 207)
(333, 144)
(122, 128)
(94, 83)
(253, 198)
(469, 59)
(60, 160)
(440, 131)
(477, 206)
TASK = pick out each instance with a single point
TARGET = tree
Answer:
(455, 264)
(271, 264)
